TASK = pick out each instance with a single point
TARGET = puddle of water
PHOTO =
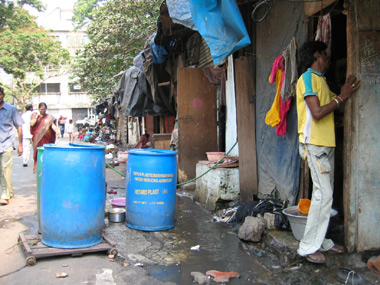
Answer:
(165, 273)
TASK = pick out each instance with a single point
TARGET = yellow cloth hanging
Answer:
(273, 116)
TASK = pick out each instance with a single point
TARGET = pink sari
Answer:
(43, 133)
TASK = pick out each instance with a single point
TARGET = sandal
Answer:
(316, 257)
(337, 249)
(348, 276)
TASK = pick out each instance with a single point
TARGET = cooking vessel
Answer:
(116, 215)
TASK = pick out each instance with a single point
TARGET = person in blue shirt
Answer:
(10, 118)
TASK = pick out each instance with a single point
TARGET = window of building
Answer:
(48, 88)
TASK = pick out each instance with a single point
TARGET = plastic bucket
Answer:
(151, 189)
(40, 152)
(72, 195)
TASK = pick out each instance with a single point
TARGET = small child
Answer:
(70, 131)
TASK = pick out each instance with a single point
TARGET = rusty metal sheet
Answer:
(197, 123)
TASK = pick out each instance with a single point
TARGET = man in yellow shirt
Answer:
(315, 111)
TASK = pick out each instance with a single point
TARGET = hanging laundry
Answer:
(291, 71)
(284, 109)
(324, 31)
(277, 75)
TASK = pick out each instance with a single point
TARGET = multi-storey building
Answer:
(63, 94)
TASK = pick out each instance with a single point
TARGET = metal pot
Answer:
(116, 215)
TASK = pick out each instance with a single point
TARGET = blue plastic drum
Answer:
(72, 195)
(151, 189)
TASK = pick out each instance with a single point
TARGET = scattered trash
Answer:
(112, 260)
(222, 277)
(373, 264)
(139, 265)
(195, 247)
(65, 265)
(200, 278)
(125, 264)
(61, 275)
(111, 256)
(112, 192)
(109, 156)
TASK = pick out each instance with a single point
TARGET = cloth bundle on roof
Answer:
(179, 11)
(134, 97)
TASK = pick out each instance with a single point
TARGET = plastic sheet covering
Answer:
(179, 11)
(221, 25)
(160, 54)
(134, 97)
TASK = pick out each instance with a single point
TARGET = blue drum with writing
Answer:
(151, 189)
(72, 195)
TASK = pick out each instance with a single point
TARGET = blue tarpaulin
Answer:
(220, 24)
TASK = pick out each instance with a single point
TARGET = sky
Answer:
(50, 6)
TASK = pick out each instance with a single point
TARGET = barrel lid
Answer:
(75, 146)
(151, 151)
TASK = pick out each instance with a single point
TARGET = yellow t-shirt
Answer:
(317, 132)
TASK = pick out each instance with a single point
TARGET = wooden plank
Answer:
(244, 88)
(197, 125)
(32, 246)
(25, 244)
(312, 8)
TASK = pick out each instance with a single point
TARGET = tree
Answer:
(84, 12)
(26, 51)
(117, 34)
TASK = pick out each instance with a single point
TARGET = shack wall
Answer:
(277, 156)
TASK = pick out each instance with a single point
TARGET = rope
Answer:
(191, 180)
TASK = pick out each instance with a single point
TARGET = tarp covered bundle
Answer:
(219, 23)
(137, 91)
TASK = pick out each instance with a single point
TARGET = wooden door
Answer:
(197, 123)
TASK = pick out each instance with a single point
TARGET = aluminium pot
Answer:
(116, 215)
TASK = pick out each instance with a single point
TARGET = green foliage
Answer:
(26, 48)
(117, 34)
(84, 11)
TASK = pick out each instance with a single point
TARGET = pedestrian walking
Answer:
(27, 136)
(316, 128)
(43, 129)
(61, 124)
(10, 118)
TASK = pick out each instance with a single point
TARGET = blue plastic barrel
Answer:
(151, 189)
(72, 195)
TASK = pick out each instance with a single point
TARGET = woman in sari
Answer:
(44, 130)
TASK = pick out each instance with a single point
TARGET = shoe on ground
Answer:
(316, 257)
(4, 202)
(25, 165)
